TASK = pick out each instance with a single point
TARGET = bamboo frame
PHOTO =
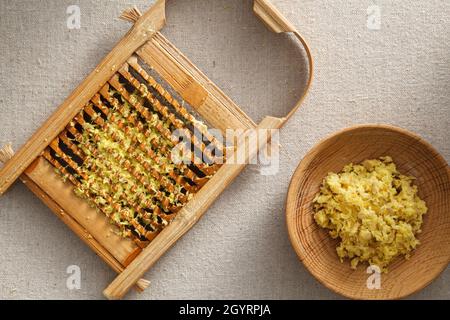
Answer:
(132, 259)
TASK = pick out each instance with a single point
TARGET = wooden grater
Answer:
(124, 115)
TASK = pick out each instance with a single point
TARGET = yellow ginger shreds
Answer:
(81, 191)
(374, 211)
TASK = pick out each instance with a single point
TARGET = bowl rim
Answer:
(307, 159)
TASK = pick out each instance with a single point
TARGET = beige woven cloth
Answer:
(240, 249)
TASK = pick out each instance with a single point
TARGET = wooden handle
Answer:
(6, 153)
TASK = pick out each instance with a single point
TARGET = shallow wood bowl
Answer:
(315, 247)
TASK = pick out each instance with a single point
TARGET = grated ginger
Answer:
(374, 211)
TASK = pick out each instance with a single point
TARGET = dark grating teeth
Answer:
(117, 153)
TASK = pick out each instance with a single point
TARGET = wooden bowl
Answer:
(317, 250)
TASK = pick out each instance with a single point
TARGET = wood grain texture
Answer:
(185, 219)
(315, 247)
(152, 21)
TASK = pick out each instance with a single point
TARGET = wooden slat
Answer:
(216, 108)
(185, 219)
(142, 30)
